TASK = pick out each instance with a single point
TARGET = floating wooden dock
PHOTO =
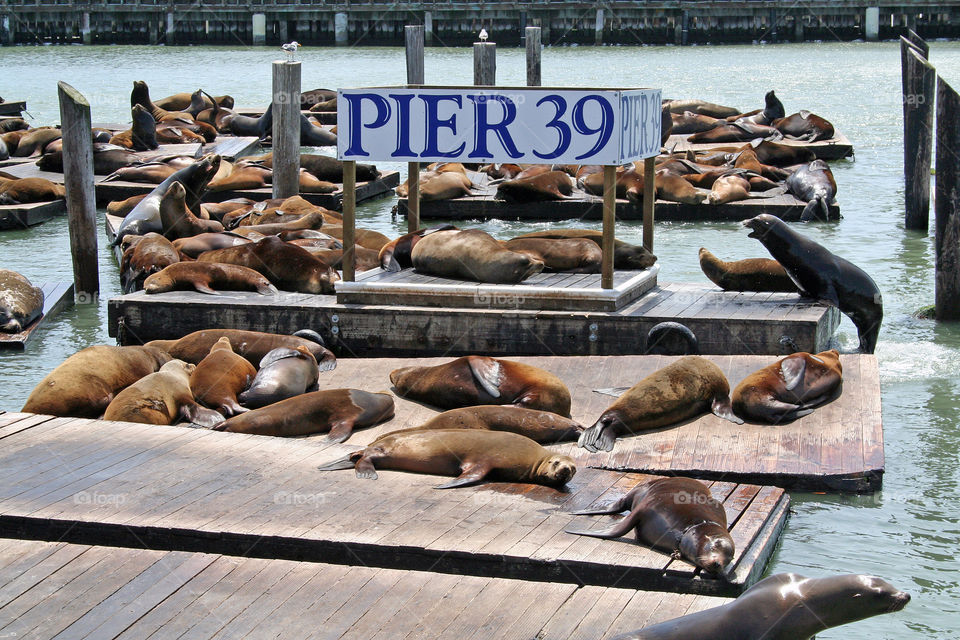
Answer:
(21, 216)
(56, 296)
(835, 148)
(13, 108)
(133, 485)
(104, 592)
(483, 205)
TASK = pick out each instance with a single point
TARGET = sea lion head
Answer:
(708, 545)
(761, 225)
(179, 367)
(556, 470)
(841, 599)
(633, 257)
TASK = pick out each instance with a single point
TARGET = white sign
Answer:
(502, 124)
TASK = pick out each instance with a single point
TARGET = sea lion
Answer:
(33, 142)
(146, 172)
(477, 380)
(471, 254)
(820, 274)
(142, 135)
(689, 122)
(737, 131)
(148, 256)
(324, 167)
(679, 391)
(544, 427)
(195, 245)
(471, 455)
(338, 411)
(805, 126)
(177, 132)
(287, 266)
(364, 237)
(363, 259)
(207, 277)
(252, 345)
(120, 208)
(20, 302)
(629, 183)
(395, 255)
(728, 188)
(13, 124)
(702, 107)
(312, 135)
(538, 187)
(243, 177)
(217, 210)
(784, 606)
(814, 184)
(313, 221)
(84, 384)
(260, 127)
(675, 515)
(177, 220)
(751, 274)
(163, 397)
(772, 110)
(625, 255)
(284, 373)
(672, 187)
(181, 101)
(790, 388)
(107, 158)
(214, 115)
(27, 190)
(315, 96)
(140, 95)
(436, 186)
(220, 376)
(780, 155)
(572, 255)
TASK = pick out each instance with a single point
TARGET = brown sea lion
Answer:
(243, 177)
(702, 107)
(395, 255)
(140, 95)
(147, 172)
(728, 188)
(287, 266)
(737, 131)
(784, 606)
(13, 124)
(573, 255)
(790, 388)
(207, 277)
(805, 126)
(751, 274)
(148, 256)
(252, 345)
(283, 373)
(471, 254)
(195, 245)
(84, 384)
(142, 135)
(364, 237)
(814, 184)
(471, 455)
(625, 255)
(182, 101)
(629, 183)
(176, 132)
(217, 210)
(33, 142)
(27, 190)
(20, 302)
(364, 259)
(322, 241)
(544, 427)
(338, 411)
(675, 515)
(220, 377)
(307, 221)
(689, 122)
(780, 155)
(120, 208)
(477, 380)
(679, 391)
(672, 187)
(536, 187)
(435, 185)
(163, 397)
(177, 220)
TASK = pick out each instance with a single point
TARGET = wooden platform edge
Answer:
(869, 481)
(760, 551)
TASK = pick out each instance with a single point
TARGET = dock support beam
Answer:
(485, 63)
(171, 36)
(283, 30)
(947, 203)
(797, 29)
(85, 36)
(685, 29)
(259, 25)
(6, 31)
(871, 24)
(532, 42)
(649, 195)
(286, 129)
(348, 262)
(919, 86)
(598, 28)
(341, 29)
(414, 35)
(609, 220)
(428, 27)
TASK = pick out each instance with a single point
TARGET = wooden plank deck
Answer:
(183, 489)
(835, 148)
(483, 205)
(56, 296)
(83, 591)
(21, 216)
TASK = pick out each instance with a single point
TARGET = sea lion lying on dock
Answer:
(283, 373)
(220, 377)
(814, 184)
(471, 254)
(805, 126)
(287, 266)
(544, 427)
(751, 274)
(20, 302)
(570, 255)
(163, 397)
(252, 345)
(207, 277)
(625, 255)
(28, 190)
(790, 388)
(148, 256)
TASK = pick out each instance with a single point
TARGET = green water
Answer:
(909, 532)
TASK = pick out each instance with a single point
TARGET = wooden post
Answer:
(81, 197)
(485, 63)
(532, 41)
(415, 75)
(918, 139)
(649, 195)
(919, 43)
(947, 203)
(349, 219)
(286, 129)
(609, 218)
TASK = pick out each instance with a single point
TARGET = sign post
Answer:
(522, 125)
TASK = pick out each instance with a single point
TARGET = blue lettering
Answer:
(563, 129)
(482, 127)
(641, 122)
(434, 123)
(356, 124)
(403, 125)
(603, 131)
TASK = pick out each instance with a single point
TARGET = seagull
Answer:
(483, 35)
(291, 49)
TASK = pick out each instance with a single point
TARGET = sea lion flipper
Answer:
(340, 431)
(201, 416)
(472, 473)
(722, 408)
(203, 288)
(365, 469)
(792, 369)
(488, 373)
(599, 437)
(345, 462)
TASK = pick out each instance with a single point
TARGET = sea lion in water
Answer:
(252, 345)
(571, 255)
(163, 397)
(471, 254)
(784, 606)
(682, 390)
(625, 255)
(220, 377)
(287, 266)
(789, 388)
(84, 384)
(284, 373)
(477, 380)
(207, 277)
(469, 454)
(148, 256)
(751, 274)
(544, 427)
(672, 515)
(20, 302)
(814, 184)
(822, 275)
(338, 411)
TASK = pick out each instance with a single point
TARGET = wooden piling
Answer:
(81, 198)
(919, 43)
(917, 138)
(349, 220)
(649, 195)
(532, 42)
(286, 128)
(415, 75)
(609, 220)
(485, 63)
(947, 202)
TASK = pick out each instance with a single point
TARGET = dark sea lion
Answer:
(84, 384)
(625, 255)
(148, 256)
(814, 184)
(542, 187)
(207, 277)
(287, 266)
(679, 391)
(142, 135)
(666, 125)
(217, 210)
(477, 380)
(324, 167)
(629, 183)
(675, 515)
(314, 96)
(469, 454)
(544, 427)
(214, 116)
(790, 388)
(252, 345)
(785, 606)
(364, 259)
(140, 95)
(27, 190)
(260, 127)
(107, 158)
(176, 133)
(364, 237)
(702, 107)
(284, 373)
(180, 101)
(13, 124)
(20, 302)
(689, 122)
(163, 397)
(737, 131)
(320, 241)
(395, 255)
(751, 274)
(772, 110)
(220, 377)
(338, 411)
(822, 275)
(471, 254)
(805, 126)
(572, 255)
(315, 136)
(177, 220)
(243, 177)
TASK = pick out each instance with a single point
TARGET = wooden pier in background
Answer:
(56, 296)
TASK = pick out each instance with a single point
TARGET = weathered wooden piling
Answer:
(919, 43)
(649, 194)
(485, 63)
(415, 75)
(532, 43)
(947, 203)
(348, 265)
(286, 128)
(917, 138)
(81, 198)
(609, 220)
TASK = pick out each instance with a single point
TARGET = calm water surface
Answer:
(909, 532)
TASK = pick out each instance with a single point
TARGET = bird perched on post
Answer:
(291, 49)
(483, 35)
